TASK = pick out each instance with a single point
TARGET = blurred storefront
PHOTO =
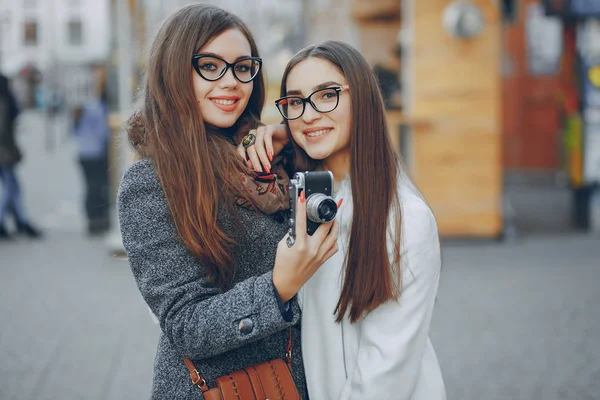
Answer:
(532, 102)
(449, 126)
(579, 86)
(516, 93)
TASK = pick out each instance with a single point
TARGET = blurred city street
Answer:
(74, 325)
(514, 320)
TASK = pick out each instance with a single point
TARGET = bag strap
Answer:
(288, 349)
(199, 381)
(195, 376)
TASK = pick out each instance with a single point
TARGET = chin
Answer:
(317, 155)
(223, 123)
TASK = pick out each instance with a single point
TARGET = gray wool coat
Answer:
(197, 320)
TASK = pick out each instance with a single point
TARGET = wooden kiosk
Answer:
(451, 105)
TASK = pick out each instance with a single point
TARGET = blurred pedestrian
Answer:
(10, 155)
(387, 71)
(92, 133)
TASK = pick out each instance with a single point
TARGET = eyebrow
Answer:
(204, 53)
(320, 86)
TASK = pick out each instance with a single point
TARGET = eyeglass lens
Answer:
(323, 101)
(212, 68)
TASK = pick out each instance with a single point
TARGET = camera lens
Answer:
(327, 210)
(320, 208)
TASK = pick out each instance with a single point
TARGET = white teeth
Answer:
(317, 133)
(224, 102)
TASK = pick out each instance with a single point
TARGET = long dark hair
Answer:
(371, 279)
(192, 159)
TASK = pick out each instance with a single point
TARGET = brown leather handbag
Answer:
(270, 380)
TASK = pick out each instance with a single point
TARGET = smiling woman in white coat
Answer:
(366, 312)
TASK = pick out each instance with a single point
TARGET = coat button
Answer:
(246, 326)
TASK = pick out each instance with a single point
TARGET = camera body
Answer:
(320, 206)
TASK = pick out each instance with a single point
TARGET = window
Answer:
(29, 4)
(75, 32)
(30, 33)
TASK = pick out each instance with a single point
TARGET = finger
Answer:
(322, 232)
(334, 230)
(251, 151)
(301, 235)
(259, 146)
(269, 142)
(330, 253)
(241, 151)
(330, 240)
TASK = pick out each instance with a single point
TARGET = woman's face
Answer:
(321, 135)
(221, 102)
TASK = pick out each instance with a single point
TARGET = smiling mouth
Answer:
(318, 133)
(225, 102)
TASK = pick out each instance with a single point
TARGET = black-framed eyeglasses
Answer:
(322, 100)
(212, 68)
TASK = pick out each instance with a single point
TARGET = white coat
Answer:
(387, 354)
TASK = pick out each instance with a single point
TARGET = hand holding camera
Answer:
(313, 232)
(317, 187)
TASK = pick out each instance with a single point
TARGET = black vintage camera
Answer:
(320, 206)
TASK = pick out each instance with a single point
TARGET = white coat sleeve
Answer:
(393, 337)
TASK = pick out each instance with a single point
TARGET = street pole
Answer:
(49, 77)
(125, 100)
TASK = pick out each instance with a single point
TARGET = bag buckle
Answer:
(198, 380)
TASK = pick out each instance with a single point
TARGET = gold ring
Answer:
(248, 140)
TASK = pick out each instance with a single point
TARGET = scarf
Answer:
(269, 191)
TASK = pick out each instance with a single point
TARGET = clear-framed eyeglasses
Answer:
(322, 100)
(212, 68)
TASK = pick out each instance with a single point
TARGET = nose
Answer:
(310, 114)
(228, 80)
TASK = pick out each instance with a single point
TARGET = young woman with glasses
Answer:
(203, 232)
(366, 313)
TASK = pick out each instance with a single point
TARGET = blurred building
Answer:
(58, 38)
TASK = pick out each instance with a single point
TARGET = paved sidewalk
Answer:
(74, 325)
(521, 320)
(514, 321)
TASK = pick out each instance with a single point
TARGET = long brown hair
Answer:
(193, 160)
(370, 278)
